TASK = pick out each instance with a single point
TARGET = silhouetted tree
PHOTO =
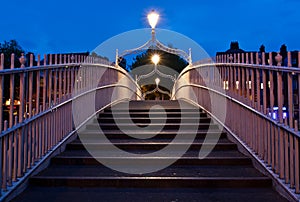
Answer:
(167, 59)
(262, 49)
(123, 63)
(283, 50)
(9, 47)
(283, 53)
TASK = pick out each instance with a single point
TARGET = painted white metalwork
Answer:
(157, 89)
(155, 44)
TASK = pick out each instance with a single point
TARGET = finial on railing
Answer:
(72, 58)
(289, 55)
(117, 57)
(190, 57)
(230, 58)
(2, 61)
(278, 59)
(12, 61)
(22, 60)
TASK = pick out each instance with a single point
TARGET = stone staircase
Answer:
(224, 175)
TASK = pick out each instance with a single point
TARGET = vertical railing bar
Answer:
(297, 156)
(1, 100)
(257, 88)
(279, 96)
(264, 110)
(281, 153)
(5, 163)
(286, 157)
(30, 87)
(44, 85)
(38, 85)
(15, 172)
(12, 87)
(276, 142)
(290, 99)
(50, 72)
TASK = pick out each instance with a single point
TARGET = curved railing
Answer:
(38, 115)
(261, 106)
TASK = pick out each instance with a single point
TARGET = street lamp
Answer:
(153, 19)
(155, 59)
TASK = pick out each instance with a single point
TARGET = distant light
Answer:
(249, 84)
(275, 113)
(261, 86)
(155, 59)
(7, 102)
(237, 84)
(225, 85)
(153, 19)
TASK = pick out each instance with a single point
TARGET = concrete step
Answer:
(93, 135)
(125, 120)
(153, 126)
(153, 114)
(223, 140)
(176, 170)
(127, 161)
(149, 146)
(153, 182)
(161, 110)
(93, 194)
(148, 104)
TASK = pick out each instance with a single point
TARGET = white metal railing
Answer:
(262, 103)
(36, 114)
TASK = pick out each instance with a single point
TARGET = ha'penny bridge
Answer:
(253, 149)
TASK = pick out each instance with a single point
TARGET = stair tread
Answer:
(155, 124)
(173, 132)
(155, 141)
(79, 194)
(174, 171)
(189, 154)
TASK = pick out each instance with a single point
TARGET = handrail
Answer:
(275, 142)
(28, 141)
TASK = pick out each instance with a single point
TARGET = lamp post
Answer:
(153, 19)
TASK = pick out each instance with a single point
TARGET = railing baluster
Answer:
(258, 88)
(290, 106)
(44, 85)
(5, 156)
(281, 153)
(279, 96)
(12, 91)
(1, 95)
(286, 157)
(271, 73)
(30, 86)
(38, 85)
(297, 163)
(50, 82)
(269, 150)
(264, 97)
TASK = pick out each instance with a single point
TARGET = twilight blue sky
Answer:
(59, 26)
